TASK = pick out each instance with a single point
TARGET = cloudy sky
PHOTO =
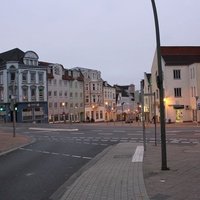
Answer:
(116, 37)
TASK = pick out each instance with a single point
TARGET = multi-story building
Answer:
(109, 98)
(149, 98)
(65, 94)
(23, 87)
(93, 90)
(181, 82)
(126, 106)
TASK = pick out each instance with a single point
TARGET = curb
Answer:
(63, 188)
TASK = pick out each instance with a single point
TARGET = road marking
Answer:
(52, 129)
(118, 131)
(57, 154)
(138, 155)
(105, 133)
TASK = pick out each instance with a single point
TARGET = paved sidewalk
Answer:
(182, 181)
(113, 177)
(8, 142)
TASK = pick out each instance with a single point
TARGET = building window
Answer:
(177, 74)
(12, 76)
(177, 92)
(41, 77)
(41, 93)
(71, 94)
(24, 77)
(1, 78)
(97, 115)
(101, 114)
(33, 94)
(86, 87)
(25, 93)
(55, 93)
(56, 70)
(93, 98)
(49, 93)
(87, 99)
(33, 77)
(93, 86)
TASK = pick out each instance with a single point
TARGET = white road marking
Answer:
(138, 155)
(52, 129)
(57, 154)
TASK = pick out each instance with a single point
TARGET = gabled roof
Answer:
(180, 55)
(12, 55)
(148, 75)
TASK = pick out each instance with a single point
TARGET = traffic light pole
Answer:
(160, 82)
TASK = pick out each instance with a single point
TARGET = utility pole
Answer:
(143, 117)
(161, 90)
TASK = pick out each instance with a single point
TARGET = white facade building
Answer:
(181, 82)
(23, 82)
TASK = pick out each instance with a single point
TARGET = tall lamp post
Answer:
(160, 86)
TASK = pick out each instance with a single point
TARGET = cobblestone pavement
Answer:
(181, 182)
(8, 142)
(117, 175)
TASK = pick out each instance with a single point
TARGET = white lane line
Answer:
(84, 157)
(57, 154)
(138, 155)
(74, 156)
(52, 129)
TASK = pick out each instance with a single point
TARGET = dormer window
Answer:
(31, 58)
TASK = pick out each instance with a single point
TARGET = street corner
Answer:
(9, 143)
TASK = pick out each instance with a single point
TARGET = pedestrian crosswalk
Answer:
(107, 140)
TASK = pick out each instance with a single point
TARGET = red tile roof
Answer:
(180, 55)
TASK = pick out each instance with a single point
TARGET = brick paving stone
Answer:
(181, 182)
(8, 142)
(113, 177)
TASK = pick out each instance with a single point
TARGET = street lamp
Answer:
(161, 90)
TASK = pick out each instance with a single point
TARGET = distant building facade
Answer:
(23, 87)
(126, 106)
(93, 90)
(109, 98)
(65, 94)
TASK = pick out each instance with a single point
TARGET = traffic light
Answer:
(2, 108)
(16, 107)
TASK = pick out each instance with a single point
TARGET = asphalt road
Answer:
(38, 170)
